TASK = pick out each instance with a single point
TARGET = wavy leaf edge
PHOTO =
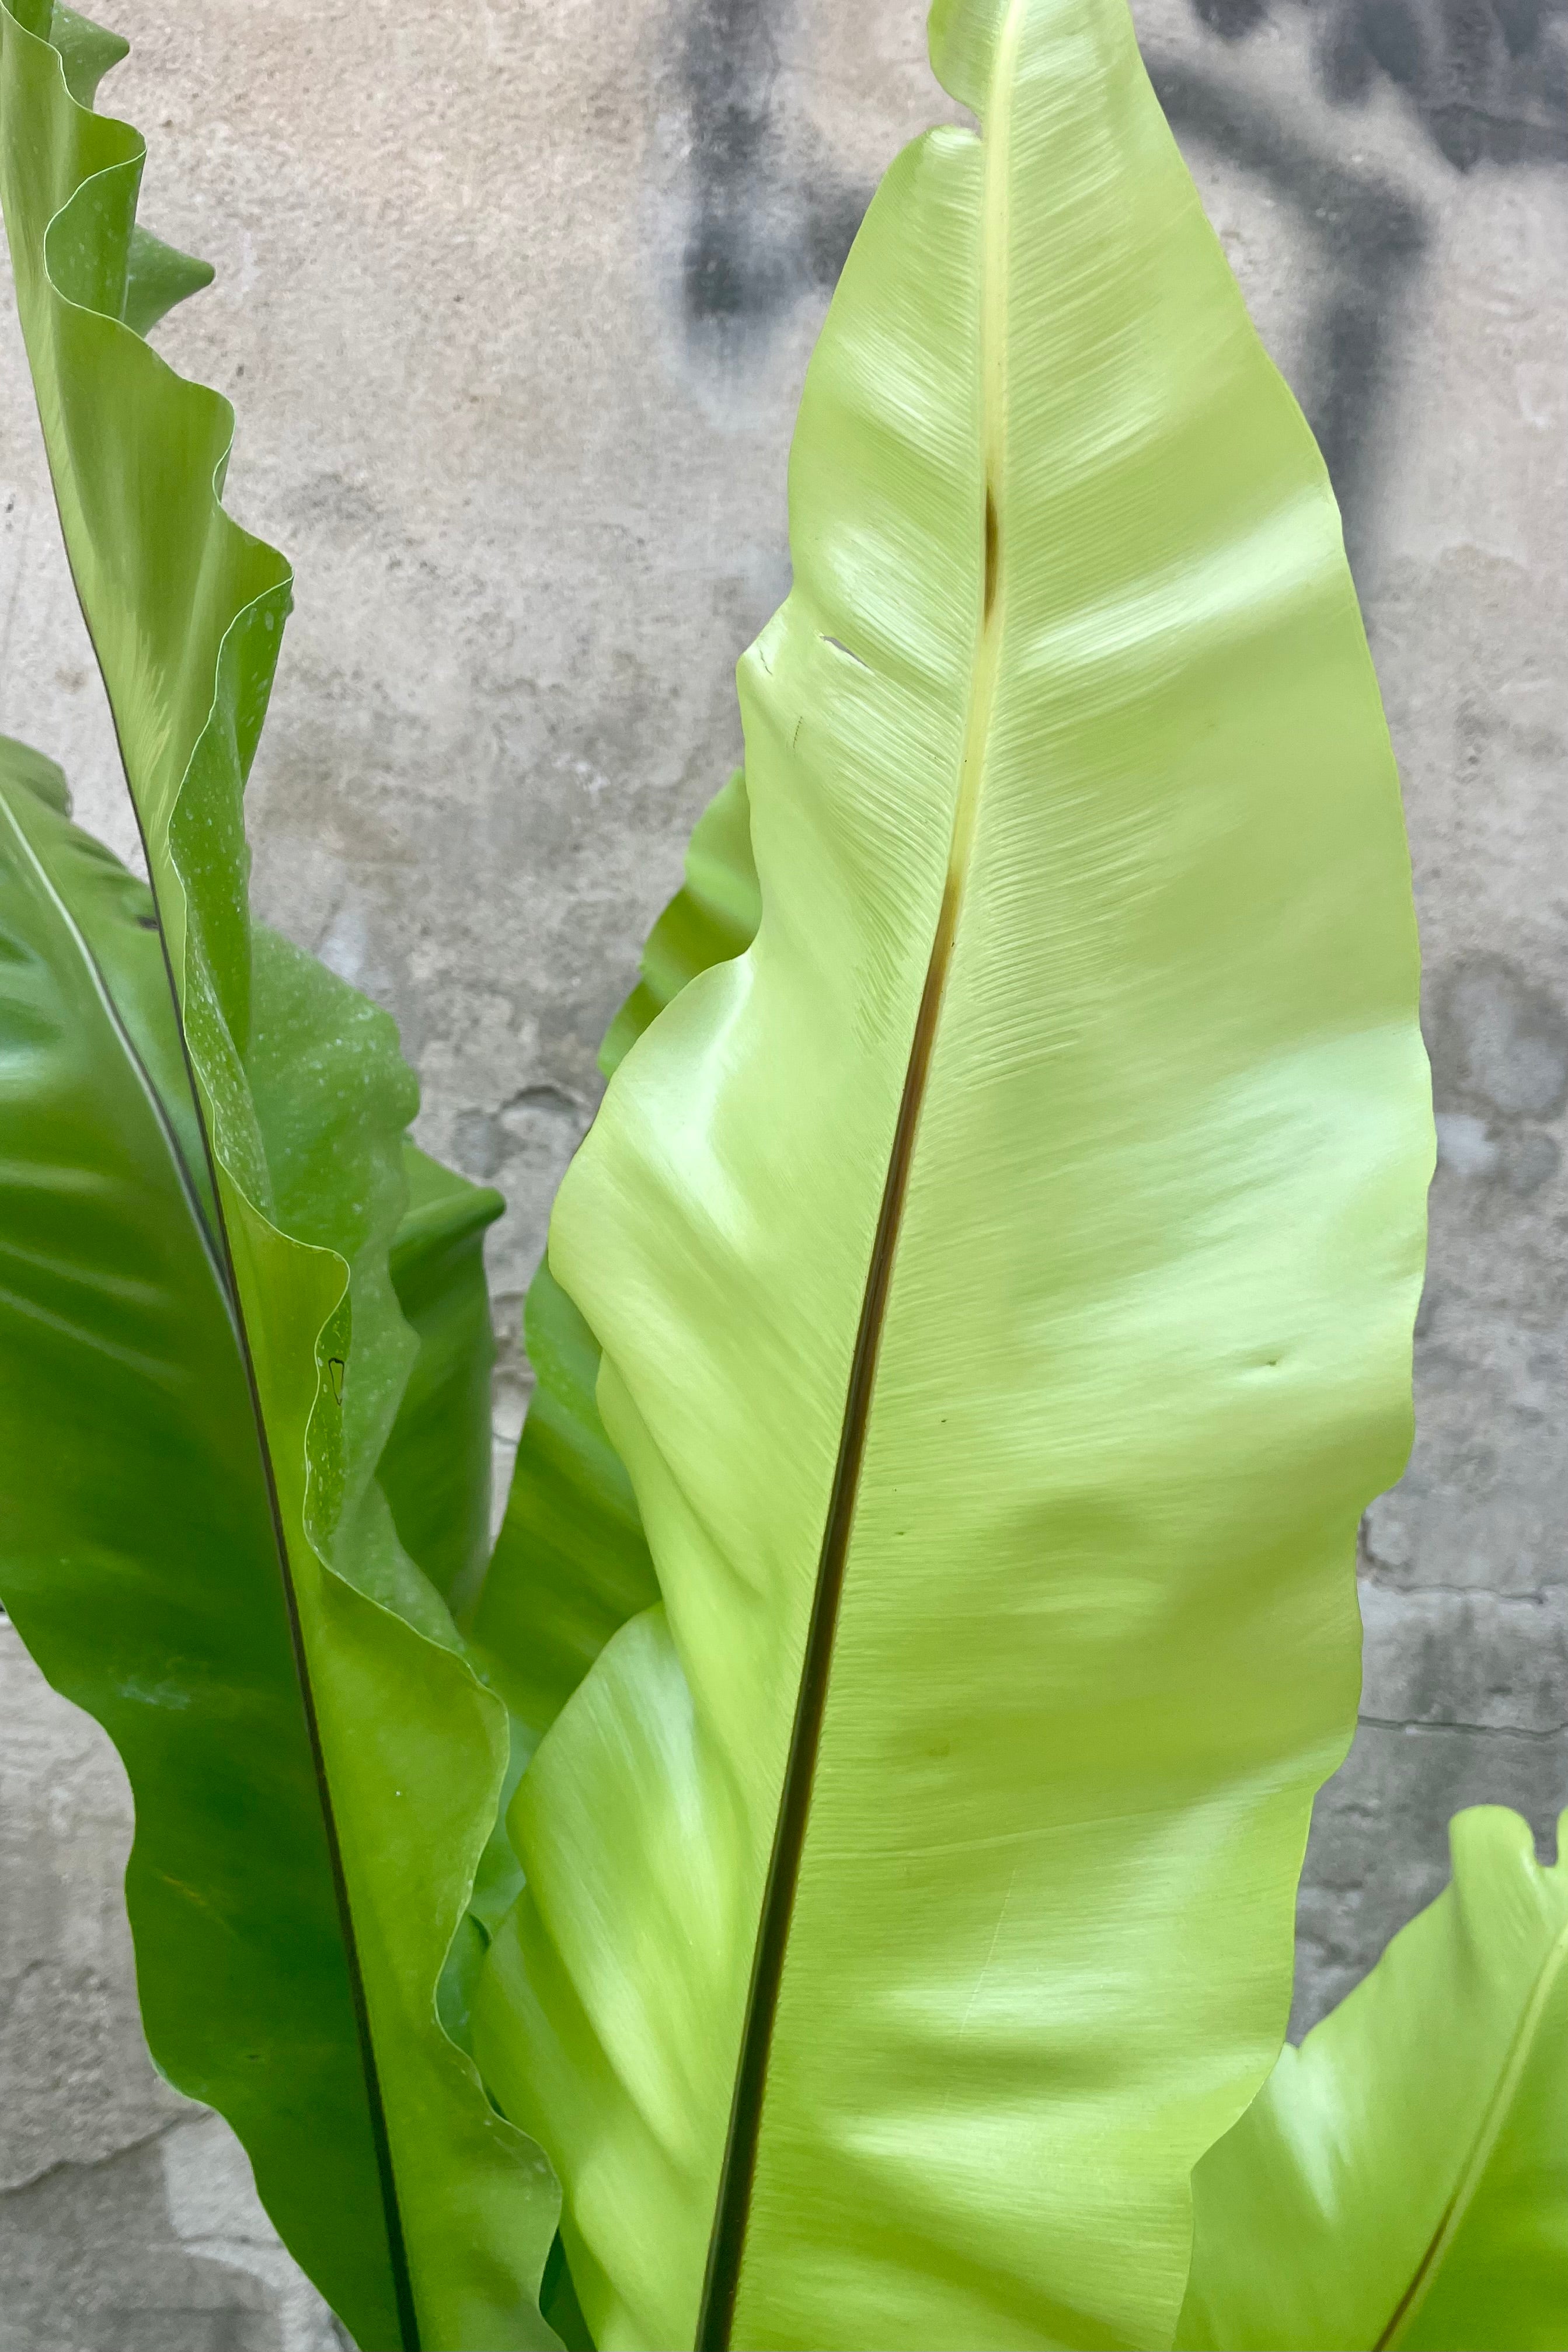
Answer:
(89, 51)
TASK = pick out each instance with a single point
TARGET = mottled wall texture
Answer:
(513, 301)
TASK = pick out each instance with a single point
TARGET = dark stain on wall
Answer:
(1231, 19)
(1498, 1042)
(1370, 239)
(732, 267)
(771, 218)
(1488, 78)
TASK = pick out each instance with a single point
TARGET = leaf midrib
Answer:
(218, 1253)
(1473, 2171)
(128, 1046)
(397, 2252)
(370, 2069)
(731, 2216)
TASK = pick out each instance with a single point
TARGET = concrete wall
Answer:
(513, 302)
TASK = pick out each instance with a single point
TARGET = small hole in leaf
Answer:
(335, 1366)
(148, 922)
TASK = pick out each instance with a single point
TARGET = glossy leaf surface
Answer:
(139, 1559)
(1005, 1273)
(1403, 2177)
(570, 1564)
(438, 2236)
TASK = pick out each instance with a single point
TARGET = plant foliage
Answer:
(839, 1856)
(204, 1340)
(998, 1457)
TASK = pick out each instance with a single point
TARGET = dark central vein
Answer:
(733, 2208)
(738, 2174)
(1482, 2147)
(381, 2144)
(370, 2072)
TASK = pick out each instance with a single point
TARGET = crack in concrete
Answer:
(85, 2164)
(1474, 1730)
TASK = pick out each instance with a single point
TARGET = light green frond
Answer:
(1401, 2180)
(1003, 1272)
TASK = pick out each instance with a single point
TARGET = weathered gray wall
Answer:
(513, 302)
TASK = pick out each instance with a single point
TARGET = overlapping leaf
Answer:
(1402, 2181)
(570, 1564)
(438, 2215)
